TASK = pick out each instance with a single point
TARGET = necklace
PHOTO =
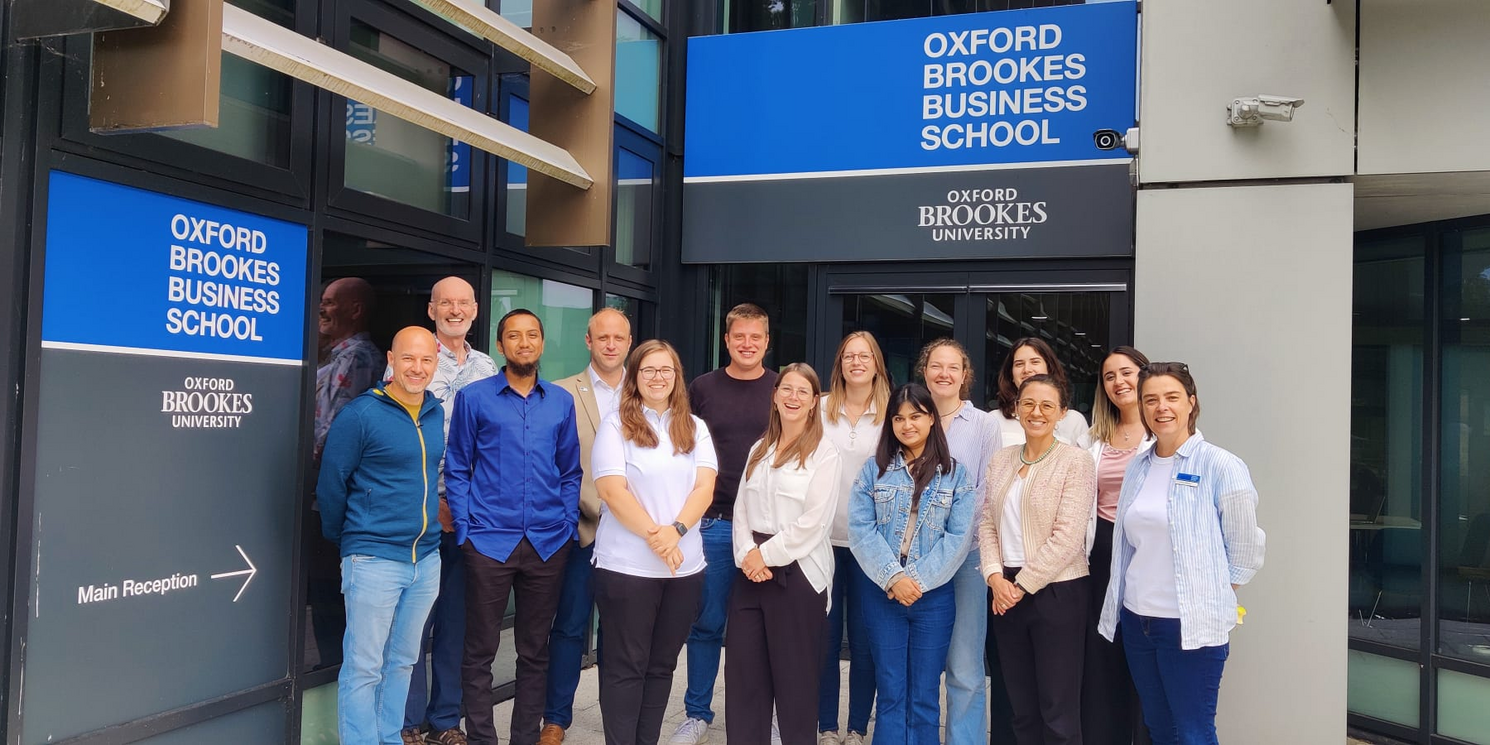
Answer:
(1042, 456)
(955, 409)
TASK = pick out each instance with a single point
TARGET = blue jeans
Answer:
(849, 586)
(445, 640)
(566, 643)
(387, 605)
(967, 687)
(1176, 687)
(910, 651)
(706, 638)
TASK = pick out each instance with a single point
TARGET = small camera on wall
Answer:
(1108, 139)
(1252, 112)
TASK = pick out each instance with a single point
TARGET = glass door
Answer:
(1080, 320)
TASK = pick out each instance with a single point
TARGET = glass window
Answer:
(1461, 706)
(400, 160)
(1382, 687)
(770, 15)
(253, 118)
(856, 11)
(1075, 324)
(517, 174)
(631, 307)
(636, 187)
(902, 324)
(781, 289)
(517, 11)
(652, 8)
(279, 11)
(565, 310)
(1464, 509)
(638, 72)
(397, 282)
(1386, 534)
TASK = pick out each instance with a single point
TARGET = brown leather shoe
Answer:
(552, 734)
(452, 736)
(412, 736)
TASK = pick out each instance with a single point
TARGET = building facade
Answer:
(1349, 244)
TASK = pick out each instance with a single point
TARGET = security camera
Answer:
(1251, 112)
(1107, 139)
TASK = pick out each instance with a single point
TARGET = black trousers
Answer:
(1041, 643)
(646, 621)
(773, 660)
(536, 586)
(1109, 703)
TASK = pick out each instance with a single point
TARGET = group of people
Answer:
(1073, 565)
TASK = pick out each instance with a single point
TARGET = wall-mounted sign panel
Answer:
(921, 135)
(166, 441)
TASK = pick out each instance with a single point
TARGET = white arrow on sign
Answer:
(250, 571)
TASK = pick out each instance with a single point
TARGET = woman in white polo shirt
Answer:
(778, 608)
(654, 467)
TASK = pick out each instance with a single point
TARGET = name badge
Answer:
(1187, 479)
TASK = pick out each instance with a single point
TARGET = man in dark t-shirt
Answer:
(735, 401)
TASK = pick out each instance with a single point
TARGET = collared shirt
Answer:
(608, 399)
(661, 481)
(512, 467)
(791, 504)
(1214, 533)
(973, 437)
(351, 367)
(856, 443)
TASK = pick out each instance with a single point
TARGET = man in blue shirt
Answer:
(512, 479)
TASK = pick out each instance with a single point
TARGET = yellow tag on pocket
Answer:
(1241, 613)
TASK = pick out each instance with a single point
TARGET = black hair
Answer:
(936, 457)
(502, 324)
(1062, 394)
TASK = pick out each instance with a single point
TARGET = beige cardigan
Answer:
(1058, 495)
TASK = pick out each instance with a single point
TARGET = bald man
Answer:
(378, 505)
(452, 306)
(351, 359)
(597, 393)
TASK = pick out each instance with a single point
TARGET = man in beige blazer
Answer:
(597, 394)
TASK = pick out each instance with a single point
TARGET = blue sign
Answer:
(1025, 86)
(458, 154)
(132, 269)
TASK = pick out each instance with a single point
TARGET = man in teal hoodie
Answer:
(378, 504)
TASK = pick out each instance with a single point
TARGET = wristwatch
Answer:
(681, 528)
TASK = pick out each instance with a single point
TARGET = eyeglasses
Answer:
(860, 357)
(804, 393)
(666, 373)
(1028, 406)
(462, 304)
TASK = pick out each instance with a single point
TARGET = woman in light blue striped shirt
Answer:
(1186, 518)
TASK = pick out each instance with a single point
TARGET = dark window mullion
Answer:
(1432, 480)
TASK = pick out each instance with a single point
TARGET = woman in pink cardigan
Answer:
(1033, 542)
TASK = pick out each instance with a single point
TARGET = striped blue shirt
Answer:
(1217, 544)
(973, 437)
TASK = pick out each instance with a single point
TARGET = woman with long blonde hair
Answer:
(852, 413)
(654, 466)
(779, 604)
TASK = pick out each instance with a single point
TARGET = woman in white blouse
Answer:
(1028, 357)
(779, 605)
(852, 412)
(654, 467)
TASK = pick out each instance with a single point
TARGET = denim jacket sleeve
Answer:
(935, 568)
(879, 562)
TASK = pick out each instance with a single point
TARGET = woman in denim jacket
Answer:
(910, 524)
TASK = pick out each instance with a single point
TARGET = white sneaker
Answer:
(827, 738)
(775, 732)
(854, 738)
(691, 732)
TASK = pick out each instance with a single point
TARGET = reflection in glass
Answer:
(635, 187)
(902, 323)
(254, 115)
(781, 289)
(638, 72)
(401, 279)
(564, 309)
(631, 308)
(1075, 324)
(1464, 509)
(770, 15)
(517, 11)
(400, 160)
(855, 11)
(1386, 534)
(517, 174)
